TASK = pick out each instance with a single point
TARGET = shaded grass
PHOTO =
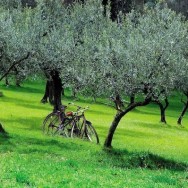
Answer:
(146, 153)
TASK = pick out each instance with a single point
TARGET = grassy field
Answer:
(146, 153)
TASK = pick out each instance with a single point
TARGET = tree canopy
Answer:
(142, 55)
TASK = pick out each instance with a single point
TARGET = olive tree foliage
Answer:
(64, 46)
(143, 56)
(89, 48)
(12, 4)
(17, 38)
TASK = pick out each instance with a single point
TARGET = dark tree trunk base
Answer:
(162, 109)
(108, 141)
(2, 130)
(49, 93)
(117, 119)
(163, 118)
(57, 83)
(183, 113)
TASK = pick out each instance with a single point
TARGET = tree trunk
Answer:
(114, 10)
(13, 65)
(116, 6)
(17, 77)
(163, 118)
(104, 3)
(138, 5)
(57, 90)
(163, 109)
(53, 90)
(179, 6)
(6, 81)
(183, 112)
(117, 101)
(49, 90)
(1, 129)
(112, 129)
(63, 91)
(132, 99)
(29, 3)
(119, 115)
(70, 2)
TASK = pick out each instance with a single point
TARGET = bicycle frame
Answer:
(70, 124)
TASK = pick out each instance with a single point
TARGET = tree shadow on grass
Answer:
(4, 137)
(28, 144)
(136, 133)
(23, 89)
(28, 123)
(160, 126)
(146, 160)
(155, 112)
(26, 103)
(5, 143)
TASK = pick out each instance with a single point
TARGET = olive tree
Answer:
(153, 57)
(62, 49)
(141, 57)
(144, 55)
(17, 38)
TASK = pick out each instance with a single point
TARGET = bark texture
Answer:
(29, 3)
(163, 109)
(14, 64)
(179, 6)
(116, 6)
(57, 90)
(2, 130)
(49, 92)
(117, 118)
(53, 90)
(183, 111)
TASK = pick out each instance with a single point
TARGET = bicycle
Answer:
(70, 124)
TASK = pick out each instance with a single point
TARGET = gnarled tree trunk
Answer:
(2, 130)
(117, 118)
(163, 109)
(57, 90)
(53, 90)
(179, 6)
(132, 99)
(109, 138)
(116, 6)
(183, 111)
(48, 95)
(29, 3)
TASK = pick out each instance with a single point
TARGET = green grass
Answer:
(146, 153)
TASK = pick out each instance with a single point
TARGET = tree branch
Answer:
(13, 65)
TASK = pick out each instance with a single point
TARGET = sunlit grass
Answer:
(146, 152)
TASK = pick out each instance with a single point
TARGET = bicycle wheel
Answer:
(51, 123)
(66, 127)
(78, 127)
(91, 133)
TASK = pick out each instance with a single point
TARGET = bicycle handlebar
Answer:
(79, 107)
(81, 110)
